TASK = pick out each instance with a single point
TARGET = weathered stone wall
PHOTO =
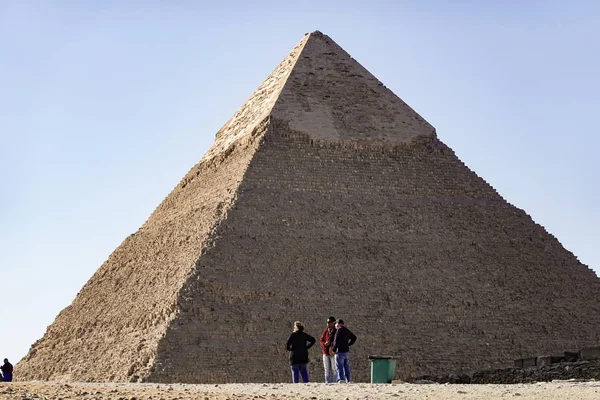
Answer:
(422, 258)
(571, 365)
(579, 370)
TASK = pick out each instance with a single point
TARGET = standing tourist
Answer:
(327, 350)
(7, 371)
(344, 338)
(298, 344)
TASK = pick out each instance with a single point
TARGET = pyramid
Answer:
(324, 194)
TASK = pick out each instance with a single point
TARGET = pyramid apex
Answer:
(329, 95)
(314, 35)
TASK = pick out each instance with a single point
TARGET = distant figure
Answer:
(7, 371)
(327, 350)
(341, 345)
(298, 344)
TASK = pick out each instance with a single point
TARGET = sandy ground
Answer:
(288, 391)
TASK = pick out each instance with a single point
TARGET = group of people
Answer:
(7, 371)
(335, 342)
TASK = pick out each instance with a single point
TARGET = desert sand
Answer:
(288, 391)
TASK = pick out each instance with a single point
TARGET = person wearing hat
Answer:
(327, 350)
(342, 341)
(298, 344)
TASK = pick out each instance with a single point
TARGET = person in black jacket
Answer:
(341, 345)
(298, 344)
(7, 371)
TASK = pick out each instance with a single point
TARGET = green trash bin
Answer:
(383, 369)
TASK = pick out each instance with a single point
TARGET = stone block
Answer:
(571, 356)
(543, 360)
(590, 353)
(519, 363)
(557, 359)
(529, 362)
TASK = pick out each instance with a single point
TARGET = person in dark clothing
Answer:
(298, 344)
(7, 371)
(342, 341)
(327, 350)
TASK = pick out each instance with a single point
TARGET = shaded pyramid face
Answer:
(325, 194)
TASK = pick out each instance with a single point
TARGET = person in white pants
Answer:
(326, 341)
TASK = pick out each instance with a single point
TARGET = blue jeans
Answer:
(298, 369)
(343, 366)
(330, 369)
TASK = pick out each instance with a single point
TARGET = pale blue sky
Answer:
(104, 106)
